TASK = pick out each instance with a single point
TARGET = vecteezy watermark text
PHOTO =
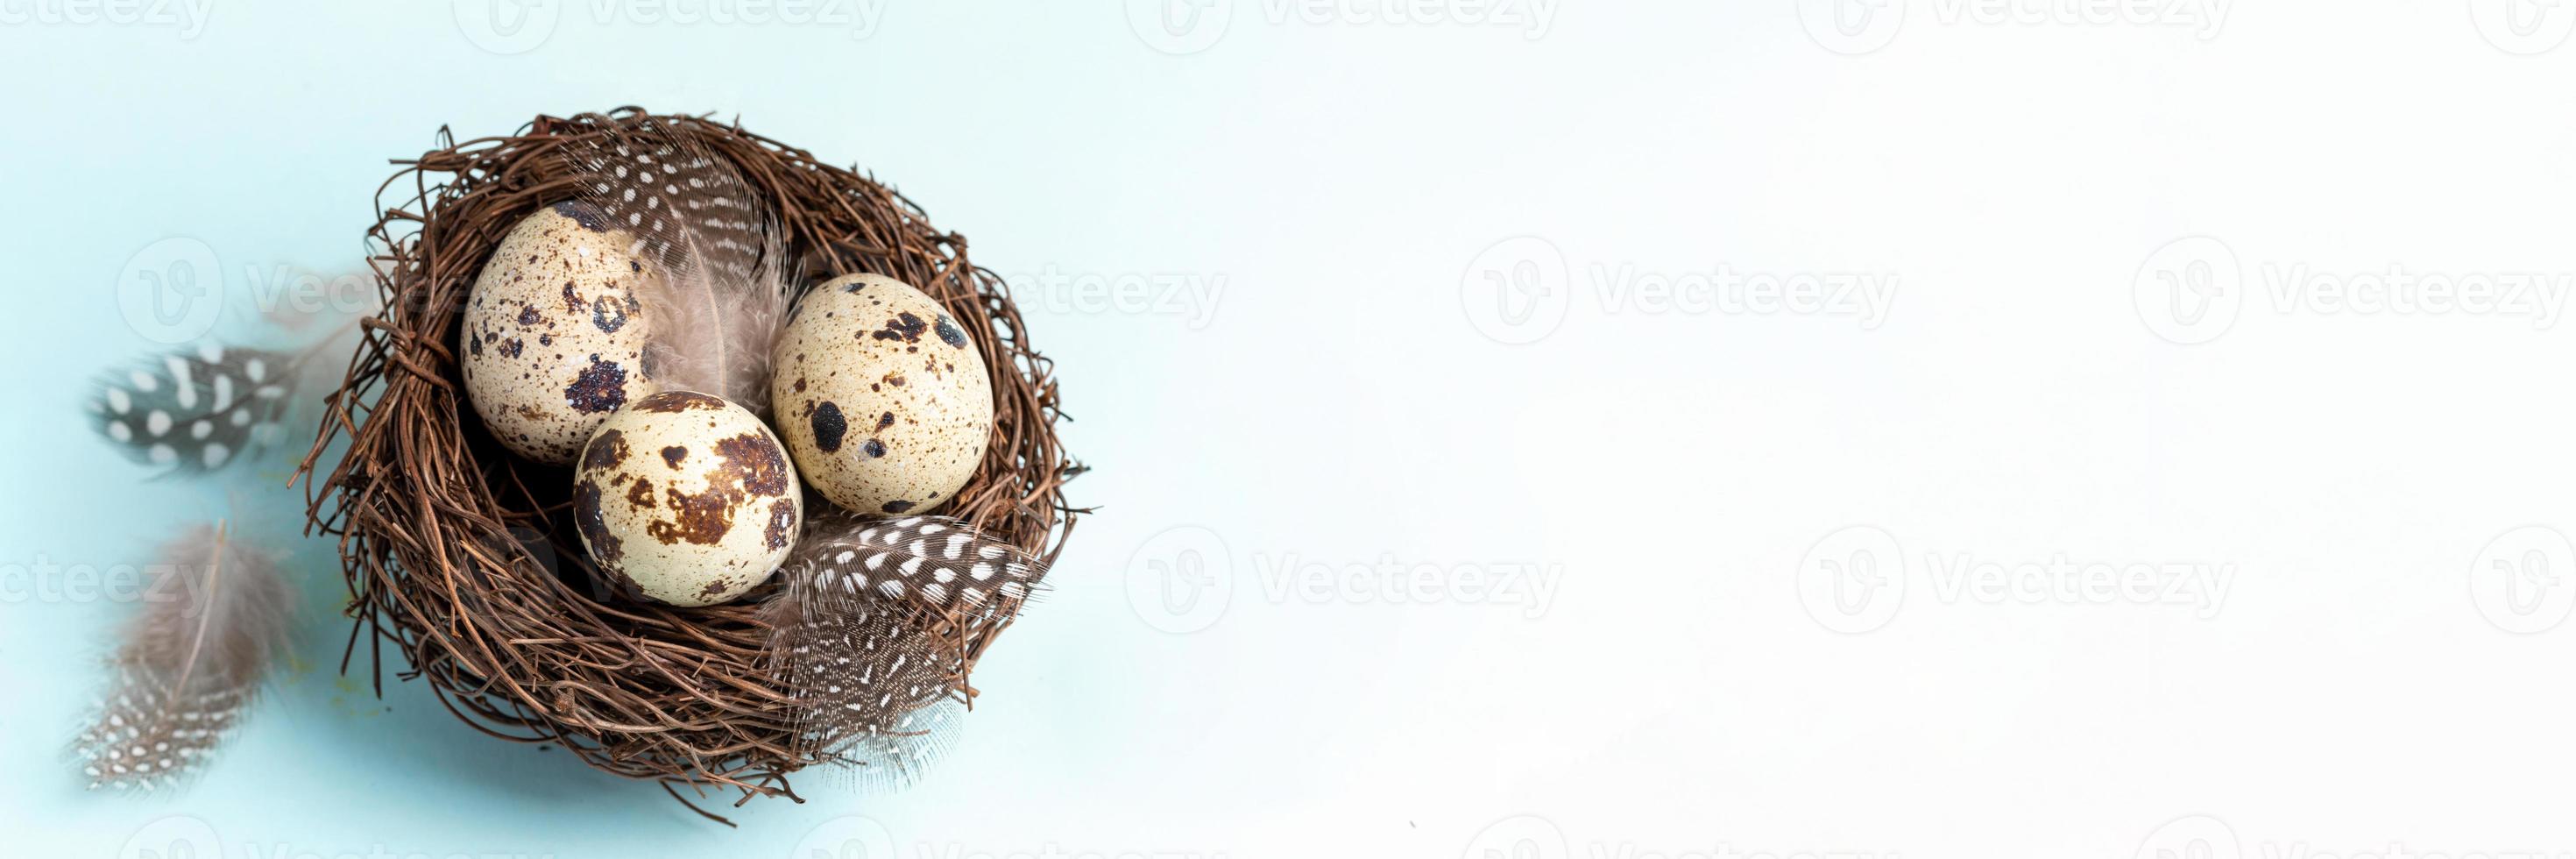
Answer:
(519, 26)
(1529, 836)
(2193, 289)
(1856, 579)
(186, 16)
(1188, 296)
(1520, 289)
(1191, 26)
(1855, 27)
(1183, 579)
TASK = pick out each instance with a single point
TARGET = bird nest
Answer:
(465, 557)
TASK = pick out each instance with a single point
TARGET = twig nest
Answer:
(467, 558)
(686, 499)
(883, 397)
(553, 341)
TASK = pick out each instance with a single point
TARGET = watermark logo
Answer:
(1519, 290)
(1855, 579)
(2205, 837)
(1532, 837)
(2193, 289)
(1179, 27)
(178, 837)
(1519, 837)
(2195, 837)
(508, 26)
(1182, 27)
(1856, 27)
(2521, 580)
(175, 291)
(188, 17)
(518, 26)
(1183, 579)
(2190, 290)
(849, 836)
(172, 291)
(2523, 27)
(1179, 581)
(1516, 291)
(184, 837)
(1852, 27)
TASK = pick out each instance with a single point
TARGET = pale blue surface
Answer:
(1340, 408)
(1276, 165)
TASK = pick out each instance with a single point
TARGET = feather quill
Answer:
(214, 619)
(718, 292)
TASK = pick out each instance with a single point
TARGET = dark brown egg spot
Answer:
(828, 427)
(895, 379)
(885, 420)
(897, 506)
(600, 388)
(640, 494)
(572, 300)
(782, 524)
(714, 589)
(752, 461)
(604, 546)
(474, 345)
(512, 347)
(702, 518)
(949, 332)
(904, 326)
(672, 455)
(528, 315)
(874, 448)
(674, 402)
(608, 316)
(605, 451)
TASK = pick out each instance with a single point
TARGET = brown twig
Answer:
(431, 513)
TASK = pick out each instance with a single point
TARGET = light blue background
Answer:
(1339, 404)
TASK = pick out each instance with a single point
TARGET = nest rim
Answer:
(455, 551)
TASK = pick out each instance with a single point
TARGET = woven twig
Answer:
(464, 557)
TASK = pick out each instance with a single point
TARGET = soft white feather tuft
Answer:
(717, 291)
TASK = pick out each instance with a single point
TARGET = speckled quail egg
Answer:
(686, 499)
(882, 397)
(553, 338)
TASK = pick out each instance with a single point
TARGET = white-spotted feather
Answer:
(867, 677)
(214, 618)
(718, 290)
(932, 562)
(195, 409)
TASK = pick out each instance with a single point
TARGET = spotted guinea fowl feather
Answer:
(867, 676)
(196, 409)
(719, 291)
(190, 664)
(935, 562)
